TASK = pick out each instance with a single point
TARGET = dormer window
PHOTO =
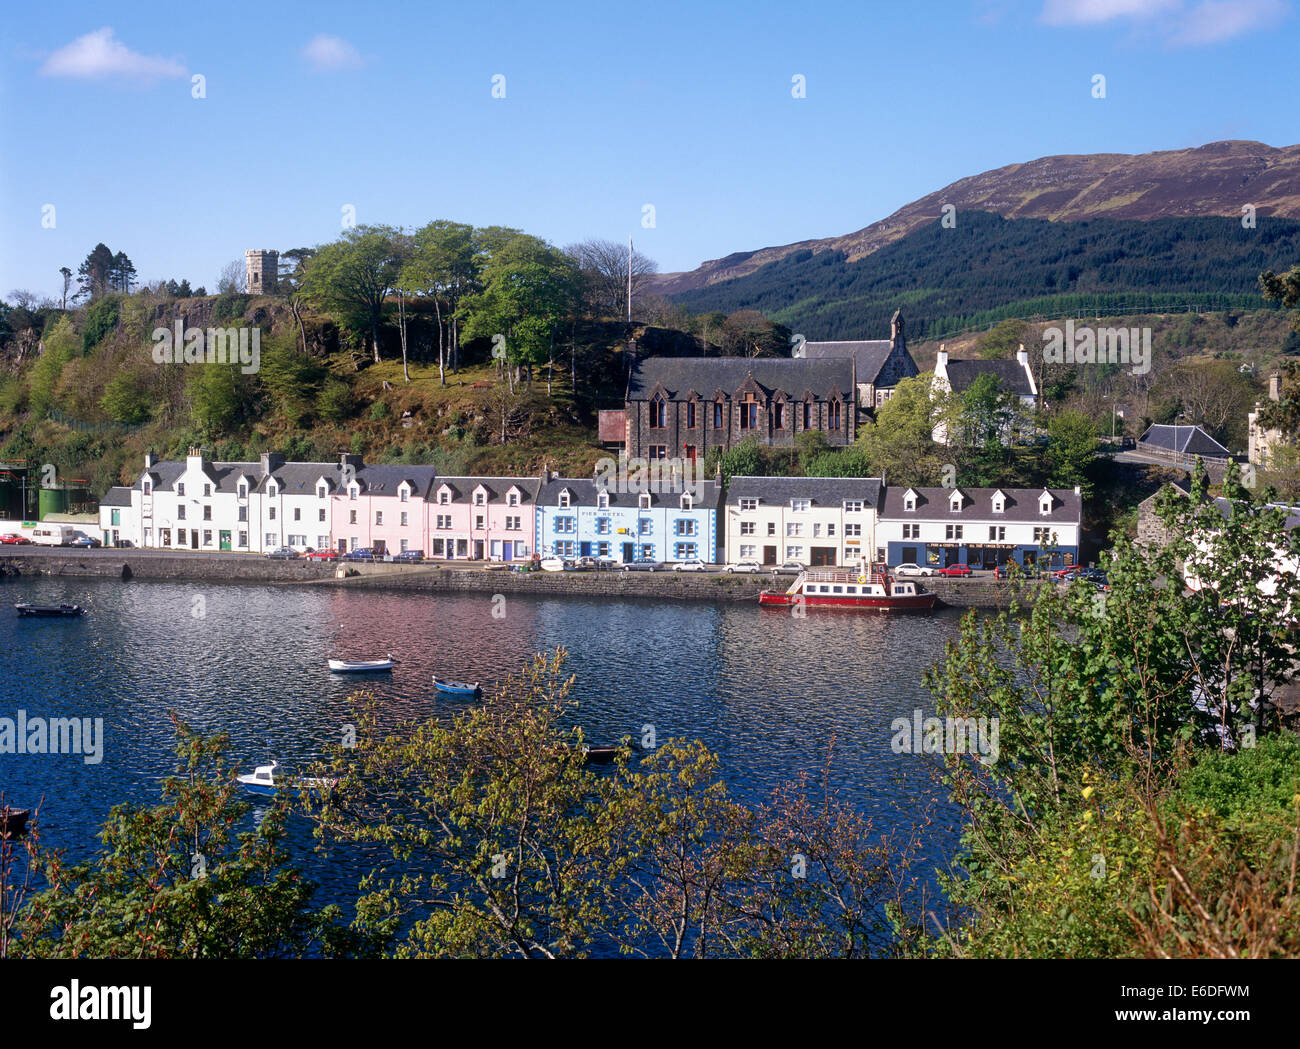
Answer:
(444, 497)
(353, 490)
(644, 500)
(853, 506)
(242, 490)
(602, 501)
(1045, 503)
(564, 499)
(800, 505)
(403, 493)
(271, 490)
(207, 491)
(321, 492)
(180, 487)
(688, 501)
(909, 502)
(954, 502)
(479, 498)
(999, 503)
(512, 499)
(748, 505)
(148, 487)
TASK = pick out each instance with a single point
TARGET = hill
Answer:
(1214, 179)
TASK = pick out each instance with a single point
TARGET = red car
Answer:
(13, 539)
(322, 555)
(951, 570)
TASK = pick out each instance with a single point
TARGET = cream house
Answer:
(813, 520)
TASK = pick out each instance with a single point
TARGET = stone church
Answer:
(686, 406)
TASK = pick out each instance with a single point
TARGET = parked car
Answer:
(586, 564)
(554, 564)
(694, 564)
(13, 539)
(361, 553)
(745, 566)
(322, 555)
(790, 568)
(606, 563)
(282, 553)
(912, 568)
(1004, 571)
(1066, 573)
(415, 556)
(86, 540)
(954, 570)
(643, 564)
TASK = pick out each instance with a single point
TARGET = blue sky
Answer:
(684, 106)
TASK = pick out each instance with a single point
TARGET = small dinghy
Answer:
(48, 611)
(263, 782)
(602, 755)
(361, 666)
(13, 822)
(455, 688)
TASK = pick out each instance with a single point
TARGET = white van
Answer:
(53, 535)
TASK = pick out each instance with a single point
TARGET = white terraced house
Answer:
(253, 507)
(816, 521)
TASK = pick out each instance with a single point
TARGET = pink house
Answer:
(482, 518)
(383, 508)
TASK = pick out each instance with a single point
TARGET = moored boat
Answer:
(13, 822)
(361, 666)
(600, 755)
(49, 611)
(863, 590)
(262, 781)
(455, 688)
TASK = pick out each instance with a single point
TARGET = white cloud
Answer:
(1216, 20)
(101, 54)
(327, 53)
(1093, 12)
(1181, 24)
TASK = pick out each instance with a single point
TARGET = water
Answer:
(766, 691)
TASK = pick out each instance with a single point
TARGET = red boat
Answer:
(865, 590)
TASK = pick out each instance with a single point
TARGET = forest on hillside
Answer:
(987, 268)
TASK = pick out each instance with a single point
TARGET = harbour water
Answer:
(766, 690)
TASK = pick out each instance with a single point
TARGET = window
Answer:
(180, 487)
(748, 551)
(999, 504)
(749, 414)
(148, 488)
(352, 517)
(297, 513)
(243, 539)
(270, 513)
(997, 534)
(271, 490)
(807, 415)
(207, 513)
(442, 521)
(793, 528)
(402, 494)
(746, 527)
(658, 413)
(512, 499)
(690, 415)
(166, 536)
(748, 505)
(243, 513)
(643, 500)
(800, 506)
(853, 530)
(687, 501)
(478, 521)
(444, 497)
(793, 553)
(686, 526)
(352, 492)
(953, 531)
(909, 502)
(321, 492)
(817, 529)
(479, 498)
(321, 513)
(564, 499)
(658, 451)
(685, 551)
(566, 524)
(564, 548)
(954, 503)
(717, 415)
(1045, 504)
(645, 526)
(778, 416)
(771, 528)
(270, 540)
(602, 501)
(207, 537)
(1042, 535)
(513, 524)
(911, 531)
(404, 546)
(853, 506)
(117, 517)
(833, 415)
(830, 529)
(379, 517)
(436, 548)
(243, 491)
(322, 541)
(602, 526)
(207, 491)
(647, 550)
(180, 513)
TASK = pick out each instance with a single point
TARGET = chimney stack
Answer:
(1022, 355)
(148, 460)
(1275, 386)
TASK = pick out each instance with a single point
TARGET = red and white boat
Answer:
(866, 590)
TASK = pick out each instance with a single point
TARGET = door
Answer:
(194, 538)
(584, 549)
(343, 546)
(478, 549)
(821, 556)
(508, 550)
(629, 552)
(769, 555)
(224, 538)
(909, 556)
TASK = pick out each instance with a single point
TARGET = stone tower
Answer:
(261, 269)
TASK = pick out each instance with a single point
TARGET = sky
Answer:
(679, 124)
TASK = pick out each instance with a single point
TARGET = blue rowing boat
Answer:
(455, 688)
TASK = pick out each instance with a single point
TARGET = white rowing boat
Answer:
(361, 666)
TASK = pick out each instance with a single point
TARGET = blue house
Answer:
(581, 517)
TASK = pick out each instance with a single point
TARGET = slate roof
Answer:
(385, 480)
(1190, 440)
(708, 494)
(704, 375)
(1021, 505)
(822, 491)
(497, 487)
(118, 495)
(301, 478)
(1010, 373)
(871, 354)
